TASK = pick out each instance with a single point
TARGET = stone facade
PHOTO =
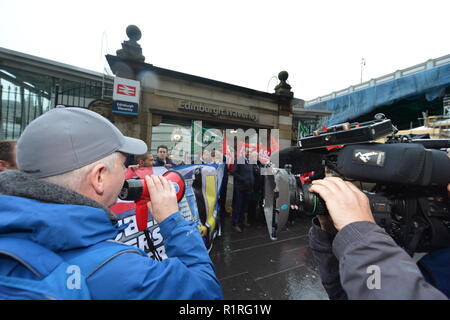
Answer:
(170, 94)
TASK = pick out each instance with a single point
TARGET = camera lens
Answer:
(311, 203)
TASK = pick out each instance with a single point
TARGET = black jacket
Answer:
(160, 163)
(244, 176)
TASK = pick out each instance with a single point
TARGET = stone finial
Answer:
(283, 88)
(131, 50)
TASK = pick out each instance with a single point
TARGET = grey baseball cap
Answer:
(65, 139)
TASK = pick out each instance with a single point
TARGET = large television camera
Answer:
(405, 180)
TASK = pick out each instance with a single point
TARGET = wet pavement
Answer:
(250, 266)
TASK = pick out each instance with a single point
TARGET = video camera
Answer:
(405, 180)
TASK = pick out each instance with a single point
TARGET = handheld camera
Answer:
(405, 180)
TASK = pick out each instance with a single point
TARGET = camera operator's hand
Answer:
(345, 202)
(163, 197)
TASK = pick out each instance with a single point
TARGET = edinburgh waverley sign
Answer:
(216, 111)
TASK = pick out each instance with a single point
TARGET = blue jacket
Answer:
(69, 229)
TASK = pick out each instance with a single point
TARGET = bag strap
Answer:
(36, 258)
(49, 266)
(95, 258)
(42, 261)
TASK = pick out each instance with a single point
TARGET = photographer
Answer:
(357, 259)
(71, 163)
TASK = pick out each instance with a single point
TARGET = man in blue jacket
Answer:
(71, 163)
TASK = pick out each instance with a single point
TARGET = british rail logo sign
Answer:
(126, 90)
(126, 96)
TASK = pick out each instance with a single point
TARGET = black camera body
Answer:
(405, 182)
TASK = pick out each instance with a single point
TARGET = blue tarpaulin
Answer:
(429, 83)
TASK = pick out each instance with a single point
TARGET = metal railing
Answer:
(81, 95)
(19, 106)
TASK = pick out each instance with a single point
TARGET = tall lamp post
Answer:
(363, 63)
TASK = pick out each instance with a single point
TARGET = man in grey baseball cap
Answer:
(75, 137)
(71, 170)
(65, 145)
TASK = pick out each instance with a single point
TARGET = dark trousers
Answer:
(255, 211)
(241, 199)
(223, 195)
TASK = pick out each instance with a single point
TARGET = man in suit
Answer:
(244, 180)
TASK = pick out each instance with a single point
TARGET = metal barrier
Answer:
(19, 106)
(82, 94)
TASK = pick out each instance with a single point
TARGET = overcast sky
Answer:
(242, 42)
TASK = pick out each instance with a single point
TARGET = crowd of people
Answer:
(247, 186)
(55, 212)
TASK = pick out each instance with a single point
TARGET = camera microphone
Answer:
(398, 163)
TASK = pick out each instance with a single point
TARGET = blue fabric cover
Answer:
(429, 83)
